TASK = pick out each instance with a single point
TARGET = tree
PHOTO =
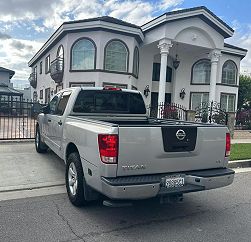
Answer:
(244, 96)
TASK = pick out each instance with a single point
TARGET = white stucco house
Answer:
(180, 57)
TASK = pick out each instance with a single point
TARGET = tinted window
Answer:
(62, 103)
(93, 101)
(53, 104)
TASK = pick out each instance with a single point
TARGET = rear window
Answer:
(104, 101)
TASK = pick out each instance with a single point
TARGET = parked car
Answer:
(111, 147)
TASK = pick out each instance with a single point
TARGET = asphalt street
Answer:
(218, 215)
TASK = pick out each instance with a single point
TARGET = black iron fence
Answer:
(18, 118)
(211, 112)
(168, 111)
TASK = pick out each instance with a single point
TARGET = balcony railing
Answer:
(57, 69)
(33, 79)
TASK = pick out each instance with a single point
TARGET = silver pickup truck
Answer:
(112, 148)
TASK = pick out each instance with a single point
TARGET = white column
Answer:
(215, 56)
(164, 46)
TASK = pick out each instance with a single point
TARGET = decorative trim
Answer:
(79, 83)
(191, 80)
(101, 70)
(164, 46)
(128, 53)
(201, 12)
(114, 84)
(214, 56)
(234, 47)
(227, 85)
(95, 52)
(233, 54)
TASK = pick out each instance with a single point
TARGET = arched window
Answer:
(83, 55)
(60, 52)
(135, 69)
(60, 59)
(116, 56)
(201, 71)
(229, 73)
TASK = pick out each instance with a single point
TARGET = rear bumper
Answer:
(148, 186)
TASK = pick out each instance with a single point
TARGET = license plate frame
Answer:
(173, 181)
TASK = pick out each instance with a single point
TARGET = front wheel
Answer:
(41, 147)
(74, 180)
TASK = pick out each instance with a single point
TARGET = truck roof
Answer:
(101, 88)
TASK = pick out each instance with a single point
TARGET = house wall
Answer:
(195, 37)
(101, 38)
(184, 31)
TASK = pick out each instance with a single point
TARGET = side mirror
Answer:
(46, 109)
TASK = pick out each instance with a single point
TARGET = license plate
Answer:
(174, 181)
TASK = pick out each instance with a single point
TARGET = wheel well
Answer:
(70, 149)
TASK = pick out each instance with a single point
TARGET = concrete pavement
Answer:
(25, 173)
(220, 215)
(23, 168)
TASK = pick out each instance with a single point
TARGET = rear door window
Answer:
(104, 101)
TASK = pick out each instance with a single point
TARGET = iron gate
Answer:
(211, 112)
(168, 111)
(17, 118)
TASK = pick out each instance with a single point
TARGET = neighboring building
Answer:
(7, 92)
(5, 76)
(26, 93)
(180, 57)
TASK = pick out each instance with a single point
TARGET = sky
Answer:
(25, 25)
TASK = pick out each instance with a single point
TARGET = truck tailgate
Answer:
(151, 150)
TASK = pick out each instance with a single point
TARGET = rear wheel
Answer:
(41, 147)
(74, 180)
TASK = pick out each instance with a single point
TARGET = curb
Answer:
(17, 141)
(239, 164)
(31, 186)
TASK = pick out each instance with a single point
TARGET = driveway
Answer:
(23, 168)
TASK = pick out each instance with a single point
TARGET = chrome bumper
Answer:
(141, 187)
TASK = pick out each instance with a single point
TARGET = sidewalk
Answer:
(23, 168)
(240, 141)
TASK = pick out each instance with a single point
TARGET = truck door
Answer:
(48, 120)
(58, 120)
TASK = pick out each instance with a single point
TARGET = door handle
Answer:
(60, 123)
(49, 120)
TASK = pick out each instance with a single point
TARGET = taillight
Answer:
(108, 148)
(228, 144)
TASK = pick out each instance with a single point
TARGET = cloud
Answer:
(54, 12)
(4, 36)
(242, 38)
(15, 54)
(17, 44)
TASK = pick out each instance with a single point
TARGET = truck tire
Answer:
(74, 180)
(41, 147)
